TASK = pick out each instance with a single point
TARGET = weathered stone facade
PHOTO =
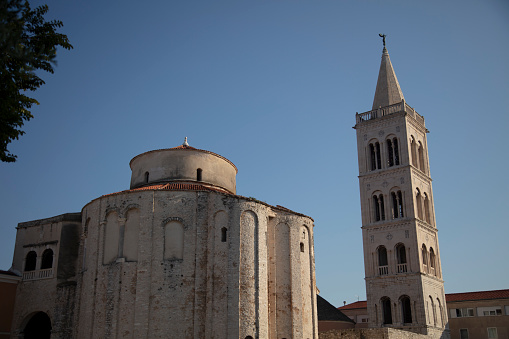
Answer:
(404, 285)
(178, 255)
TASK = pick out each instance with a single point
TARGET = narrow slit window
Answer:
(199, 174)
(302, 247)
(146, 177)
(224, 233)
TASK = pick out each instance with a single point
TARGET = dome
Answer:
(183, 163)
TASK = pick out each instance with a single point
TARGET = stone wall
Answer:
(201, 264)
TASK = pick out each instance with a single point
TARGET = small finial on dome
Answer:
(185, 142)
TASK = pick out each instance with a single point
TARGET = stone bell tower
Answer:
(404, 283)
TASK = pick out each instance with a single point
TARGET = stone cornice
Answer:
(418, 173)
(388, 224)
(383, 173)
(40, 244)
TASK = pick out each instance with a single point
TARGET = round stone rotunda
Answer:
(181, 255)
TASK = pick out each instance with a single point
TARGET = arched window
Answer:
(39, 326)
(386, 310)
(199, 174)
(383, 267)
(421, 157)
(418, 202)
(396, 151)
(397, 204)
(401, 258)
(224, 233)
(146, 177)
(426, 209)
(30, 261)
(47, 259)
(413, 150)
(406, 309)
(302, 247)
(432, 260)
(392, 152)
(424, 258)
(174, 240)
(441, 313)
(379, 207)
(434, 312)
(374, 156)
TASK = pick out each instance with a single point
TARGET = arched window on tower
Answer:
(146, 177)
(418, 202)
(30, 261)
(378, 154)
(374, 156)
(440, 313)
(383, 267)
(421, 157)
(432, 259)
(434, 313)
(426, 209)
(396, 151)
(424, 253)
(47, 259)
(379, 207)
(397, 204)
(401, 257)
(386, 310)
(406, 309)
(392, 152)
(413, 150)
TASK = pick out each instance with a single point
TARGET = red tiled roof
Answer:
(481, 295)
(185, 186)
(184, 147)
(449, 297)
(355, 305)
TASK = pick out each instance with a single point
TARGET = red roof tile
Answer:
(355, 305)
(481, 295)
(184, 186)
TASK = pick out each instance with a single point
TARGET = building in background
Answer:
(404, 285)
(472, 315)
(179, 254)
(8, 284)
(330, 318)
(479, 315)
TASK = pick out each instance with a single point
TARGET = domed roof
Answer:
(183, 163)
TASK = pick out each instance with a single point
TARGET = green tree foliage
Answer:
(28, 43)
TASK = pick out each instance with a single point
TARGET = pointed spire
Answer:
(185, 142)
(387, 91)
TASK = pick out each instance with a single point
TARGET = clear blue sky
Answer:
(274, 87)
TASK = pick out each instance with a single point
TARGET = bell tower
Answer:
(404, 283)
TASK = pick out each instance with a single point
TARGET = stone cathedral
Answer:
(404, 285)
(178, 255)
